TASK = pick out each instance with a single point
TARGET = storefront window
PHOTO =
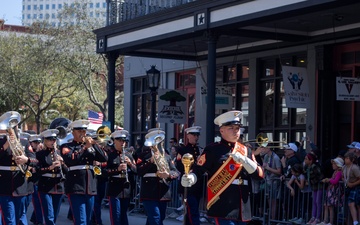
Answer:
(276, 118)
(284, 115)
(245, 104)
(267, 104)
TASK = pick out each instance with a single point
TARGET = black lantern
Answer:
(153, 76)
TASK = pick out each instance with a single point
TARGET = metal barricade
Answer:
(270, 204)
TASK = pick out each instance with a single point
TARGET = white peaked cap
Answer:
(194, 129)
(34, 137)
(79, 124)
(228, 118)
(49, 133)
(120, 134)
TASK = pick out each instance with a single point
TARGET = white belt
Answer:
(52, 175)
(240, 182)
(81, 167)
(119, 176)
(150, 175)
(9, 168)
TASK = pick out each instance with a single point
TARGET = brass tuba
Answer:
(9, 122)
(155, 140)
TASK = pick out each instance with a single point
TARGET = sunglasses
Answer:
(120, 139)
(50, 138)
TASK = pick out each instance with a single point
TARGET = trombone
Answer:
(103, 135)
(262, 140)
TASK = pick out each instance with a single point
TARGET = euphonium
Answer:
(155, 140)
(8, 121)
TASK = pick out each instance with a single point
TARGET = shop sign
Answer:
(347, 89)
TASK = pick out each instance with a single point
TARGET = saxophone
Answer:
(10, 120)
(155, 140)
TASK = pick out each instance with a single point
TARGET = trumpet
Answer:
(263, 141)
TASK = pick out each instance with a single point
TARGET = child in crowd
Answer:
(298, 182)
(351, 177)
(314, 176)
(334, 192)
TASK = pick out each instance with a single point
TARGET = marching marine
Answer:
(230, 167)
(80, 184)
(15, 161)
(157, 170)
(195, 192)
(119, 188)
(51, 171)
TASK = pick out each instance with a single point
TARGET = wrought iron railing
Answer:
(123, 10)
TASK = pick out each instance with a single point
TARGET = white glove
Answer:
(247, 163)
(238, 157)
(188, 180)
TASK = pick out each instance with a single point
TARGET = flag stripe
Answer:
(94, 117)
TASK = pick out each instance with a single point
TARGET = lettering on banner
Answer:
(219, 181)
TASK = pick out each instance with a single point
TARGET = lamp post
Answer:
(153, 76)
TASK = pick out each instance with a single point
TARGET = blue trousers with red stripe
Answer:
(118, 210)
(192, 212)
(82, 207)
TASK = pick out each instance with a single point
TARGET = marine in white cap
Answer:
(120, 169)
(15, 162)
(157, 171)
(51, 169)
(80, 155)
(194, 192)
(228, 164)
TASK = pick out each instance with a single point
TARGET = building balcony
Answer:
(123, 10)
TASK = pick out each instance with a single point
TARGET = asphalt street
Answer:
(135, 218)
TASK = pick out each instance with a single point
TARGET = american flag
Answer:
(95, 118)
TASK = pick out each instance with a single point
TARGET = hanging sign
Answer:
(223, 97)
(347, 89)
(172, 106)
(296, 87)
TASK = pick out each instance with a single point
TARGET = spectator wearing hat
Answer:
(230, 166)
(195, 192)
(13, 198)
(314, 176)
(80, 184)
(37, 215)
(289, 159)
(334, 191)
(157, 171)
(119, 188)
(51, 176)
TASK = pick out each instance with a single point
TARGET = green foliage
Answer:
(55, 70)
